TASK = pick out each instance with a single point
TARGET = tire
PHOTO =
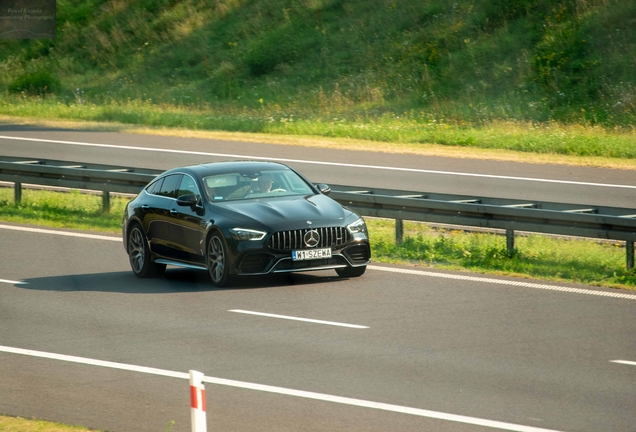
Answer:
(139, 255)
(218, 261)
(349, 272)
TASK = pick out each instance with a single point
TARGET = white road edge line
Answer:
(61, 233)
(504, 282)
(379, 268)
(311, 162)
(299, 319)
(12, 282)
(282, 391)
(627, 362)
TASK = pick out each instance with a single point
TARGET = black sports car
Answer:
(241, 218)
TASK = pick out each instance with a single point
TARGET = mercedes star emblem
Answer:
(312, 238)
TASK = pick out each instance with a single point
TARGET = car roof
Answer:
(206, 169)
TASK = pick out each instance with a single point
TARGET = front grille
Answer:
(293, 239)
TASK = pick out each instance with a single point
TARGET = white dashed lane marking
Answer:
(506, 282)
(12, 282)
(299, 319)
(626, 362)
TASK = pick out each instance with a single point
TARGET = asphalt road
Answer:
(433, 351)
(578, 185)
(430, 347)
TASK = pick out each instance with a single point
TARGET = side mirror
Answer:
(189, 200)
(325, 189)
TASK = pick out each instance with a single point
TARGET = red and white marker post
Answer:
(197, 402)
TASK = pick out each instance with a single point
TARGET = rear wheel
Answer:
(349, 272)
(139, 255)
(218, 261)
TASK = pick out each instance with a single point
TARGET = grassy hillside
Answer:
(458, 61)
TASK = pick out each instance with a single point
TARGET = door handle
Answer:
(173, 212)
(145, 207)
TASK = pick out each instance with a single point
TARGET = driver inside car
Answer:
(265, 183)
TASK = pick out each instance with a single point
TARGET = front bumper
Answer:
(354, 254)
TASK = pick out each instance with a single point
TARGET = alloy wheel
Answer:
(136, 250)
(216, 259)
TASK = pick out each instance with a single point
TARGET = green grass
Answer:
(18, 424)
(537, 77)
(536, 256)
(541, 257)
(62, 210)
(415, 128)
(477, 62)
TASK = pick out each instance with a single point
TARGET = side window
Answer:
(154, 187)
(188, 186)
(170, 186)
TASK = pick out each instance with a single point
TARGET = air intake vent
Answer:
(358, 254)
(255, 263)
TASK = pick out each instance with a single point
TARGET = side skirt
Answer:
(180, 264)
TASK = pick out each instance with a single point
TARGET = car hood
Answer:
(285, 213)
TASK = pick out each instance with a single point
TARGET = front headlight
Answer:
(246, 234)
(357, 227)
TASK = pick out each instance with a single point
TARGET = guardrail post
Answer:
(399, 231)
(629, 246)
(105, 201)
(197, 402)
(18, 193)
(510, 242)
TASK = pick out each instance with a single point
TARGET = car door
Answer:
(187, 228)
(156, 213)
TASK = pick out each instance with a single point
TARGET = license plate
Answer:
(300, 255)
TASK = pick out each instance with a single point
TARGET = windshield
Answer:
(260, 184)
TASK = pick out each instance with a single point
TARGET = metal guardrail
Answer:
(76, 175)
(511, 215)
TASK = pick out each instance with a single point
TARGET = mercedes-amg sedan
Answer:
(241, 218)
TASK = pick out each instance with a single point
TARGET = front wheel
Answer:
(139, 255)
(349, 272)
(218, 261)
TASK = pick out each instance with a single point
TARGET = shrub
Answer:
(35, 83)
